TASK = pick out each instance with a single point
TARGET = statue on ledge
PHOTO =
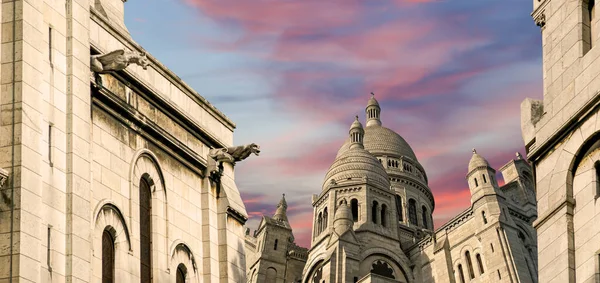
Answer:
(117, 60)
(217, 156)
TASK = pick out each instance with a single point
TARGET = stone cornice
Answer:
(161, 69)
(130, 117)
(3, 177)
(236, 215)
(534, 152)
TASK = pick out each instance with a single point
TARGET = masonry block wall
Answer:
(561, 134)
(79, 149)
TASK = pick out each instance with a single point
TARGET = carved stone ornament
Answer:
(217, 156)
(540, 20)
(117, 60)
(3, 177)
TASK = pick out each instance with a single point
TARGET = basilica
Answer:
(373, 221)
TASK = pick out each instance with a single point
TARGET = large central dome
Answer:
(356, 163)
(380, 140)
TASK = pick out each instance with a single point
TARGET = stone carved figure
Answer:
(117, 60)
(230, 155)
(3, 177)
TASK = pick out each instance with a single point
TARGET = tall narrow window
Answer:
(499, 276)
(476, 183)
(319, 223)
(479, 263)
(50, 45)
(424, 216)
(589, 25)
(412, 211)
(597, 167)
(50, 144)
(461, 274)
(470, 265)
(354, 205)
(325, 216)
(484, 179)
(399, 208)
(181, 273)
(484, 218)
(492, 247)
(275, 245)
(384, 215)
(145, 232)
(108, 257)
(374, 212)
(48, 248)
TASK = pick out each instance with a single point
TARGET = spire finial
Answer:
(519, 156)
(281, 212)
(474, 151)
(372, 94)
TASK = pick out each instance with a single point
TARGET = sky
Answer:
(450, 76)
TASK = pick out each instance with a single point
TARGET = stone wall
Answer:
(81, 149)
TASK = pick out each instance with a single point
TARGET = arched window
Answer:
(597, 167)
(381, 267)
(476, 184)
(461, 275)
(412, 211)
(479, 263)
(469, 265)
(399, 208)
(483, 216)
(425, 224)
(145, 232)
(275, 245)
(271, 275)
(484, 179)
(325, 217)
(319, 223)
(383, 215)
(108, 257)
(354, 205)
(374, 212)
(181, 273)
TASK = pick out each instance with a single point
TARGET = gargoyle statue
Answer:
(231, 155)
(117, 60)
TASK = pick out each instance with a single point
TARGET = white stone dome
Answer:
(380, 140)
(477, 161)
(357, 164)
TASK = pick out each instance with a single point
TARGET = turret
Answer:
(357, 134)
(343, 218)
(373, 112)
(281, 212)
(481, 177)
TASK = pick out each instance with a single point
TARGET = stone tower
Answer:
(561, 137)
(271, 254)
(361, 238)
(481, 178)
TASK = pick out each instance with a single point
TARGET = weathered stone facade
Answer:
(372, 220)
(86, 140)
(562, 135)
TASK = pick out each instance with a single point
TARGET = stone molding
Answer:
(160, 68)
(3, 177)
(108, 102)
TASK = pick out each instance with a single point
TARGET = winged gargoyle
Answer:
(231, 155)
(117, 60)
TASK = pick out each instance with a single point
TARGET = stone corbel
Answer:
(217, 156)
(3, 177)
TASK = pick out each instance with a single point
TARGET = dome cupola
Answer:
(356, 163)
(373, 111)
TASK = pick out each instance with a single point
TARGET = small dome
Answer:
(381, 140)
(356, 164)
(372, 101)
(356, 124)
(342, 221)
(477, 161)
